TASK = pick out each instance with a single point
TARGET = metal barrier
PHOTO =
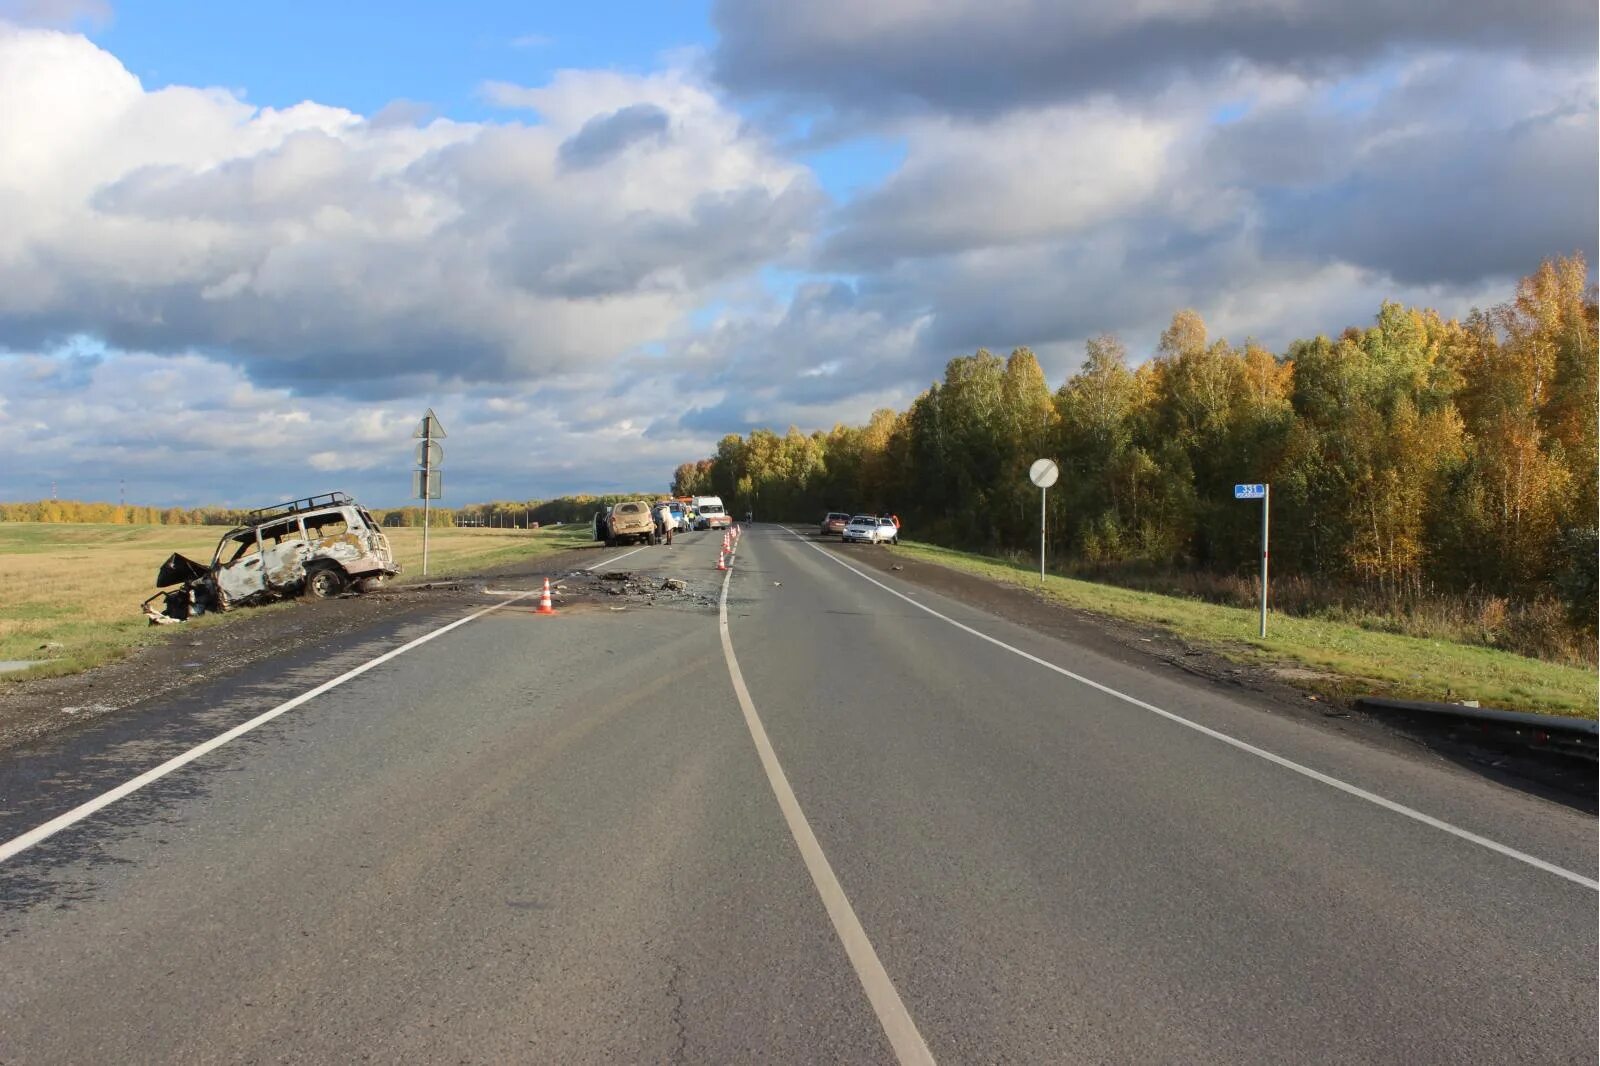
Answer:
(1538, 732)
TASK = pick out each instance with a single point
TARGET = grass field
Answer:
(80, 586)
(1338, 659)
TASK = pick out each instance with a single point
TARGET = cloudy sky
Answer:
(239, 258)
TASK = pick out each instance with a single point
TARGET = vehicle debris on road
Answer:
(318, 546)
(626, 583)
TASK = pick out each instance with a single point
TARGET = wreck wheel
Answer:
(324, 582)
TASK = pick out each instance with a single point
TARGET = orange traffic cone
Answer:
(545, 606)
(722, 561)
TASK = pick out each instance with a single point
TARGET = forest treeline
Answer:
(117, 514)
(516, 514)
(1419, 453)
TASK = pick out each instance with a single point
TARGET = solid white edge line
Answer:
(55, 825)
(907, 1042)
(1288, 764)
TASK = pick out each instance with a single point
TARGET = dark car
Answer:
(833, 523)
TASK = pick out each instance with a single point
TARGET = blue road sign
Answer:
(1249, 492)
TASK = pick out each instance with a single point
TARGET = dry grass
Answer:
(80, 586)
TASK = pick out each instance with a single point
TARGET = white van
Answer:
(711, 514)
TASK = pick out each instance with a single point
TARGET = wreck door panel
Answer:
(283, 547)
(243, 577)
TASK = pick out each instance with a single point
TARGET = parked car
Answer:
(833, 524)
(318, 546)
(869, 529)
(631, 522)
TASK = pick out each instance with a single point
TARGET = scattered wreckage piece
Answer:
(318, 546)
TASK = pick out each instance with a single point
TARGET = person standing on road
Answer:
(665, 523)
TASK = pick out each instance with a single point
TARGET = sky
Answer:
(242, 253)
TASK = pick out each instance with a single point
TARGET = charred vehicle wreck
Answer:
(319, 546)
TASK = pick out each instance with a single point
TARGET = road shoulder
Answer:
(31, 710)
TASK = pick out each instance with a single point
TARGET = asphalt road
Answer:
(566, 839)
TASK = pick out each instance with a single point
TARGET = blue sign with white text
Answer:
(1249, 492)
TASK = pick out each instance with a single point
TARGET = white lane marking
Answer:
(909, 1047)
(55, 825)
(618, 559)
(1288, 764)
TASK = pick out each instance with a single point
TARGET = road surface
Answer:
(841, 819)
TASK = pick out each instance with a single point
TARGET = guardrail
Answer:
(1538, 732)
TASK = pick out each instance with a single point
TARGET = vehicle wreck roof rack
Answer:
(294, 507)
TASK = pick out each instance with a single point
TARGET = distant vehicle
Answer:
(711, 513)
(680, 515)
(318, 546)
(631, 522)
(833, 524)
(870, 529)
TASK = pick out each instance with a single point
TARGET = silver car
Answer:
(869, 529)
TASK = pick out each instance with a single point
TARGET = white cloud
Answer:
(313, 246)
(1028, 176)
(577, 287)
(184, 429)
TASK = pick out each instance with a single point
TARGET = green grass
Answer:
(80, 585)
(1341, 660)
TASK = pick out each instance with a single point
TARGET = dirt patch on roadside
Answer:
(30, 709)
(1270, 687)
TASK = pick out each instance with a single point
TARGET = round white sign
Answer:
(1044, 473)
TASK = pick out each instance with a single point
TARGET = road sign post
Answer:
(1043, 473)
(1262, 492)
(426, 482)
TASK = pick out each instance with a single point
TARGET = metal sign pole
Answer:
(1266, 511)
(428, 432)
(1043, 473)
(427, 490)
(1042, 494)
